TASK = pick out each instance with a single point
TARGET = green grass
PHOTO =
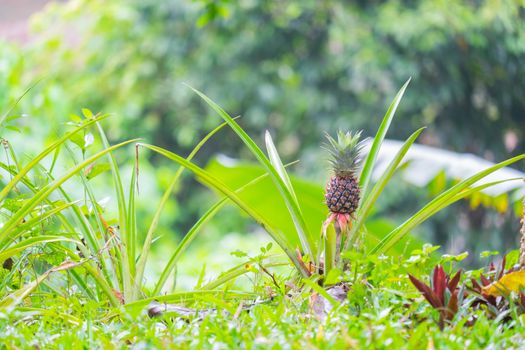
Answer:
(383, 312)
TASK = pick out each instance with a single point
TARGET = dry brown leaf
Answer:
(119, 296)
(317, 305)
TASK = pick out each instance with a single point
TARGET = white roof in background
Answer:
(425, 162)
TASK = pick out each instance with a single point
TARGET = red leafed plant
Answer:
(443, 293)
(494, 303)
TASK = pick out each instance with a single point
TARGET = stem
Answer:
(522, 245)
(265, 270)
(338, 237)
(349, 242)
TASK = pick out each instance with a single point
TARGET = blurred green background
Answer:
(297, 68)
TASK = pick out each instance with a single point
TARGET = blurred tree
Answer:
(320, 65)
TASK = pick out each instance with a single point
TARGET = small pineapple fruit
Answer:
(342, 191)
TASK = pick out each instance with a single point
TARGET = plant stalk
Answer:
(522, 242)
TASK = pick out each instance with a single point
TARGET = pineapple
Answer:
(342, 191)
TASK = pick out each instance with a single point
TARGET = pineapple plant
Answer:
(342, 191)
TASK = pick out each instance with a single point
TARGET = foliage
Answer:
(443, 293)
(497, 292)
(323, 66)
(382, 310)
(109, 253)
(74, 271)
(311, 60)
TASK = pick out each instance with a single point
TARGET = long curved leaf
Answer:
(38, 219)
(27, 243)
(23, 172)
(291, 203)
(468, 192)
(15, 103)
(141, 264)
(83, 229)
(369, 200)
(127, 262)
(13, 299)
(275, 160)
(235, 272)
(438, 203)
(16, 219)
(190, 236)
(368, 166)
(212, 182)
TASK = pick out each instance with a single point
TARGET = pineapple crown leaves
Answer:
(345, 152)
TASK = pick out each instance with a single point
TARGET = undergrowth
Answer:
(382, 311)
(74, 272)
